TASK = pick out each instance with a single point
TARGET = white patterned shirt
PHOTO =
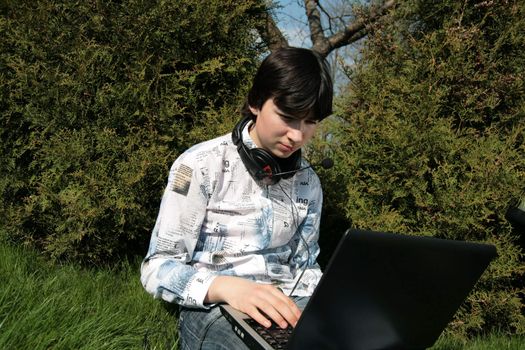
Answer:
(215, 219)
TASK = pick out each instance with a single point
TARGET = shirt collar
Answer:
(246, 138)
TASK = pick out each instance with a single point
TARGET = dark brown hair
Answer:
(297, 79)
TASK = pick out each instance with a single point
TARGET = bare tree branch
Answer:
(357, 30)
(270, 33)
(328, 15)
(319, 40)
(351, 33)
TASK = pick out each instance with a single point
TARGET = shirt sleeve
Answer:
(165, 272)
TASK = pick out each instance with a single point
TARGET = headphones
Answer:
(262, 165)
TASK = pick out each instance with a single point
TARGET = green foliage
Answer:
(430, 140)
(97, 98)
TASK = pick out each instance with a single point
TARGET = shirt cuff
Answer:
(198, 288)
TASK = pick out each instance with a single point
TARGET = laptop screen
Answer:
(385, 290)
(382, 291)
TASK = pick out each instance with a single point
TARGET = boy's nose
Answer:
(295, 134)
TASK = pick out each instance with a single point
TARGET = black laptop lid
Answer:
(389, 291)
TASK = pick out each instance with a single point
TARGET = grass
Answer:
(50, 307)
(491, 342)
(63, 307)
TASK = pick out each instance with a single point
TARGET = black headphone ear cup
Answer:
(247, 160)
(260, 163)
(266, 165)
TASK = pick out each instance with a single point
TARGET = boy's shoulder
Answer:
(216, 147)
(218, 142)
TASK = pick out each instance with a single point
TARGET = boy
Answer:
(239, 219)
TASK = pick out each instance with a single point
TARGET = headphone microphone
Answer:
(326, 163)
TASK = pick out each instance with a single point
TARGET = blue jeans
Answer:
(208, 330)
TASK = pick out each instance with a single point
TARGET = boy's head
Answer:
(298, 80)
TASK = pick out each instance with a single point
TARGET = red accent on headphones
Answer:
(268, 170)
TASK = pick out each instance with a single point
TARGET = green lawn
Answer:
(492, 342)
(62, 307)
(50, 307)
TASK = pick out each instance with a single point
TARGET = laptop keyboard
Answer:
(275, 335)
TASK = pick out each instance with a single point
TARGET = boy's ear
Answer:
(255, 111)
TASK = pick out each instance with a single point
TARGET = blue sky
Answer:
(291, 19)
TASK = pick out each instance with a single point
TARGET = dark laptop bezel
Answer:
(476, 255)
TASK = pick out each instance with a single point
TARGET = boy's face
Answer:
(279, 133)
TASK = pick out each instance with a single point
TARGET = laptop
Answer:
(379, 291)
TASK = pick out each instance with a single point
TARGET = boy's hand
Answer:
(254, 299)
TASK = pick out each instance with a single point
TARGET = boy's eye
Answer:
(287, 117)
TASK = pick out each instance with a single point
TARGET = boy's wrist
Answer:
(214, 294)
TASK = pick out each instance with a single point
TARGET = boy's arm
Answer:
(165, 272)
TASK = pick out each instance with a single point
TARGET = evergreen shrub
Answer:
(429, 140)
(97, 98)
